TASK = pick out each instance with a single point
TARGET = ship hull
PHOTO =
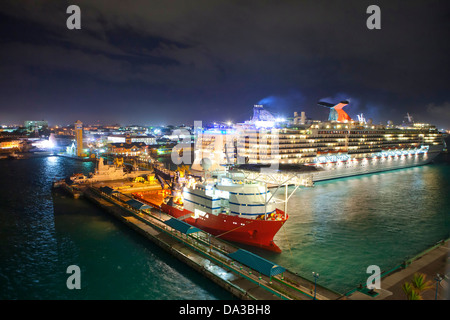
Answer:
(253, 232)
(335, 170)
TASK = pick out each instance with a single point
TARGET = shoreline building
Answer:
(79, 137)
(122, 138)
(32, 125)
(8, 145)
(128, 148)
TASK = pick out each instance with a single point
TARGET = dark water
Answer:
(42, 234)
(340, 227)
(337, 228)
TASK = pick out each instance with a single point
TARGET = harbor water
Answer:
(337, 228)
(44, 233)
(341, 227)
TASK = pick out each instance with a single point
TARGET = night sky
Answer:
(173, 62)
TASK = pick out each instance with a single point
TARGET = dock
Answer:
(73, 190)
(431, 262)
(222, 262)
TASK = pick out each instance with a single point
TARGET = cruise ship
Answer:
(336, 148)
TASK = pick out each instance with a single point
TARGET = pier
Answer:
(431, 262)
(223, 263)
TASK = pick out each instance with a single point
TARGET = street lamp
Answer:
(438, 280)
(316, 276)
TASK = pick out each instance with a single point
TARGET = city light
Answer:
(44, 144)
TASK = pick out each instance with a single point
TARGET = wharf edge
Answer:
(432, 261)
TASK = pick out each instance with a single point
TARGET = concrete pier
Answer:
(209, 255)
(430, 263)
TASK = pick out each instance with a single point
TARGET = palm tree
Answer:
(411, 294)
(420, 283)
(417, 286)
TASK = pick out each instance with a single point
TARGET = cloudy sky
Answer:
(172, 62)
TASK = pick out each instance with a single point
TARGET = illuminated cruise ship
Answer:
(336, 148)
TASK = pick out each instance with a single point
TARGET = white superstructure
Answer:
(230, 196)
(105, 172)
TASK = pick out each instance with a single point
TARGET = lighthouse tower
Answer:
(79, 137)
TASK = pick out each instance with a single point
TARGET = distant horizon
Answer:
(155, 63)
(87, 124)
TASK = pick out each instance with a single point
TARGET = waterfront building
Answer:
(79, 137)
(128, 148)
(32, 125)
(11, 144)
(147, 139)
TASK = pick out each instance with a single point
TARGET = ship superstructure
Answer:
(225, 205)
(108, 172)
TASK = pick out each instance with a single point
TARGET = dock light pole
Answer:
(316, 276)
(209, 240)
(438, 280)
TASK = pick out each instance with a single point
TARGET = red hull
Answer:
(252, 232)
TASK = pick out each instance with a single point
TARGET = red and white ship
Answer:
(226, 206)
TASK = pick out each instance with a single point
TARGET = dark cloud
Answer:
(179, 61)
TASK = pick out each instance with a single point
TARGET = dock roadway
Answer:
(209, 256)
(431, 262)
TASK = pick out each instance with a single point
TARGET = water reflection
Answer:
(340, 227)
(337, 228)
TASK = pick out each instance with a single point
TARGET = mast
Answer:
(285, 199)
(265, 201)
